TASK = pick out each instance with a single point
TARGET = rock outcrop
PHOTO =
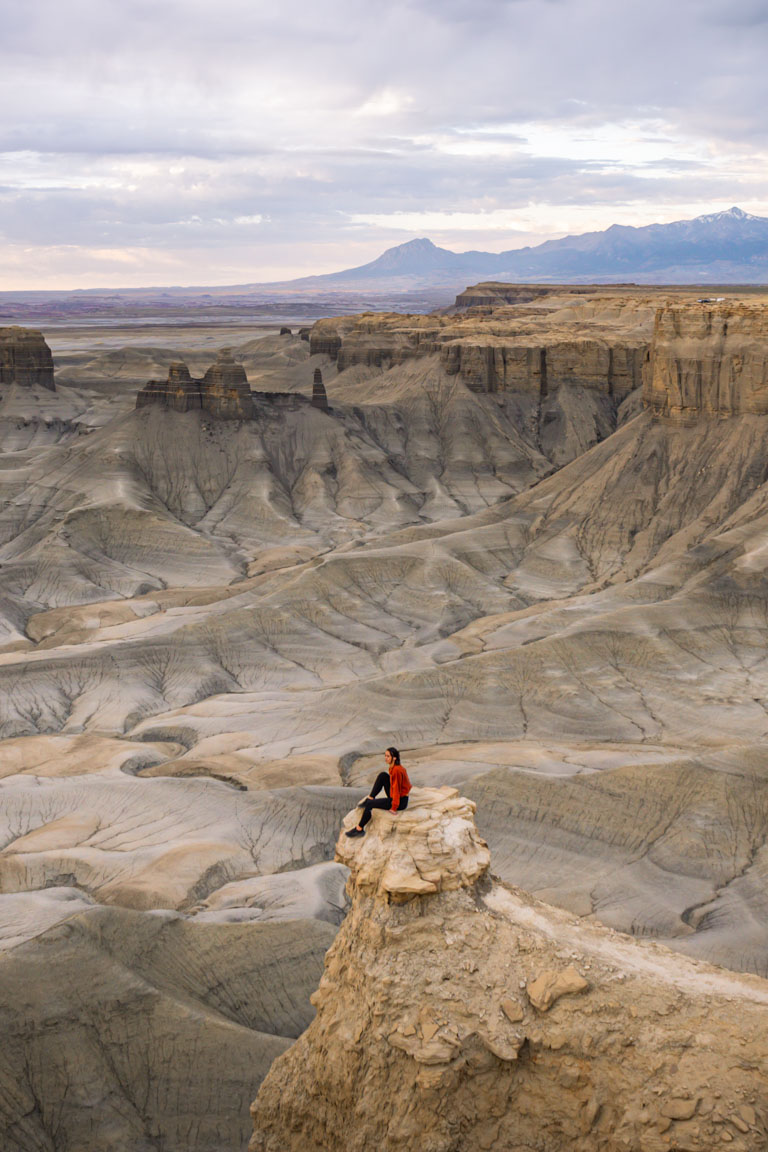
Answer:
(25, 359)
(223, 392)
(708, 360)
(457, 1014)
(179, 392)
(225, 389)
(522, 366)
(319, 395)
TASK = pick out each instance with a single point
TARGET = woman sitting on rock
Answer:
(395, 783)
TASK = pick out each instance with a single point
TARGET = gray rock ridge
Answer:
(25, 359)
(471, 1016)
(223, 392)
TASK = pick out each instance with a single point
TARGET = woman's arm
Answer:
(394, 788)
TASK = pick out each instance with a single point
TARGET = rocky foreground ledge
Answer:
(457, 1014)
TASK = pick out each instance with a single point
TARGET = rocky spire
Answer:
(319, 395)
(25, 359)
(456, 1014)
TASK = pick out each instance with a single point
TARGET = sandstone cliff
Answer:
(223, 392)
(456, 1013)
(225, 389)
(179, 392)
(559, 367)
(708, 360)
(497, 350)
(25, 359)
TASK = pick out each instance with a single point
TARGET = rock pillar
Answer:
(319, 395)
(457, 1014)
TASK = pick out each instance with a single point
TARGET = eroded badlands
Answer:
(525, 544)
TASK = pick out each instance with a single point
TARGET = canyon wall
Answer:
(708, 360)
(693, 358)
(520, 366)
(25, 359)
(493, 352)
(456, 1014)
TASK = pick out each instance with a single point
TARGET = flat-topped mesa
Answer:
(25, 359)
(319, 394)
(490, 294)
(433, 846)
(708, 361)
(457, 1014)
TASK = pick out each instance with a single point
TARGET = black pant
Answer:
(382, 781)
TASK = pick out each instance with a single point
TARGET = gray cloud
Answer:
(162, 126)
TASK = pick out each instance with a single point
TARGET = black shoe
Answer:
(356, 832)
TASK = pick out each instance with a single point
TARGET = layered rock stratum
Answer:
(457, 1013)
(25, 359)
(223, 391)
(708, 361)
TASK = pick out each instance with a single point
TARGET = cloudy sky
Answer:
(195, 142)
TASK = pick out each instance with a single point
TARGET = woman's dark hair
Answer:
(394, 754)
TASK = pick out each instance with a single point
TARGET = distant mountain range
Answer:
(728, 247)
(723, 247)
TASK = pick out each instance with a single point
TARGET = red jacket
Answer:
(399, 785)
